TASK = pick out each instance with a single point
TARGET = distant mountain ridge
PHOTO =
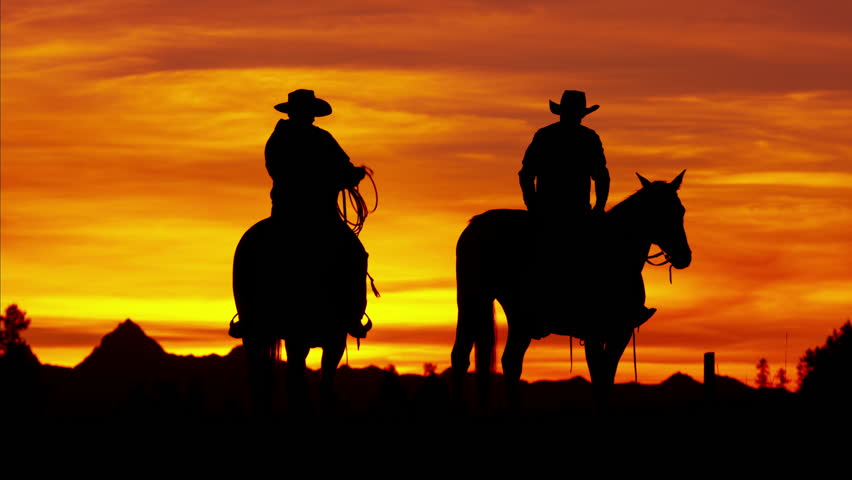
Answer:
(129, 373)
(125, 348)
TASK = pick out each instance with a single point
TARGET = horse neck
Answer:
(627, 228)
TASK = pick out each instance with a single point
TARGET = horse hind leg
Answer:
(262, 355)
(332, 353)
(517, 344)
(475, 328)
(297, 387)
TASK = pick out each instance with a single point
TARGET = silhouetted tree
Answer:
(827, 370)
(781, 379)
(801, 373)
(762, 380)
(429, 369)
(11, 324)
(19, 367)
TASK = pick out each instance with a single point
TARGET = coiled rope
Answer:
(352, 196)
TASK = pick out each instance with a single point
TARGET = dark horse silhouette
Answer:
(493, 257)
(305, 287)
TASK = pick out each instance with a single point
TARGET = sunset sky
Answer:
(132, 159)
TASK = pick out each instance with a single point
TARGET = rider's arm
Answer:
(599, 174)
(527, 175)
(350, 175)
(601, 189)
(272, 151)
(527, 182)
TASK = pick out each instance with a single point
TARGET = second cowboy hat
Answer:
(304, 102)
(573, 101)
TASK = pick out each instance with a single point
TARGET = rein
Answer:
(668, 260)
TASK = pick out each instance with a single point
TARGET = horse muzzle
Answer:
(681, 260)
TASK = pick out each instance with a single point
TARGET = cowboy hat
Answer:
(573, 101)
(305, 102)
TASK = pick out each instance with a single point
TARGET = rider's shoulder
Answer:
(318, 133)
(552, 128)
(289, 125)
(550, 131)
(588, 134)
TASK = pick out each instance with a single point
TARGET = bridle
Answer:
(667, 258)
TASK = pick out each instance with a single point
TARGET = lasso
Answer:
(352, 196)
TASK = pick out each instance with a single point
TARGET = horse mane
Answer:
(630, 203)
(624, 208)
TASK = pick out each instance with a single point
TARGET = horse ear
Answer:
(645, 181)
(678, 179)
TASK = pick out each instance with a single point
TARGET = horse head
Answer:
(664, 219)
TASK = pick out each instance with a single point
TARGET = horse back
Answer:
(492, 251)
(299, 281)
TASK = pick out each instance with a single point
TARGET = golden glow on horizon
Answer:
(132, 161)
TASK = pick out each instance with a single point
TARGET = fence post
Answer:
(709, 378)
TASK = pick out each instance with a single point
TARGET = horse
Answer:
(493, 258)
(306, 286)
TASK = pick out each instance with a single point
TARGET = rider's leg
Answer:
(353, 268)
(643, 313)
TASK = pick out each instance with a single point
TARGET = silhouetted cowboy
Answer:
(307, 165)
(558, 164)
(309, 169)
(558, 167)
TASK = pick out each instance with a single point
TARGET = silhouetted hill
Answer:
(127, 350)
(129, 375)
(19, 380)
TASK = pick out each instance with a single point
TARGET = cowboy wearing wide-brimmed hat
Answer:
(573, 103)
(561, 160)
(309, 169)
(307, 165)
(558, 167)
(304, 102)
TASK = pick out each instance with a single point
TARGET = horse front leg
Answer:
(513, 361)
(602, 359)
(261, 353)
(460, 362)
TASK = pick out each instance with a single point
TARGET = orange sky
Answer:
(133, 132)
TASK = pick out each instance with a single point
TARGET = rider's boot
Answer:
(643, 315)
(357, 273)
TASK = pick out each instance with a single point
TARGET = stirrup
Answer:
(360, 331)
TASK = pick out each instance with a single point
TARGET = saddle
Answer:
(570, 282)
(300, 281)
